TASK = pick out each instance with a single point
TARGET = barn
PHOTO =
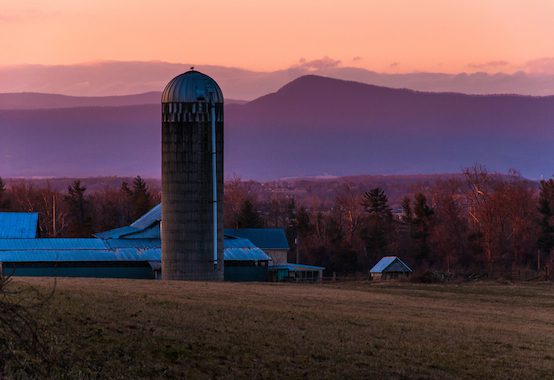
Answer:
(390, 267)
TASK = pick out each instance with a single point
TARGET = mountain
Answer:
(120, 78)
(312, 126)
(33, 100)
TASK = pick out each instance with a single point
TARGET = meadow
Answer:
(152, 329)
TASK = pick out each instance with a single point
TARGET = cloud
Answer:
(488, 65)
(394, 64)
(357, 58)
(317, 64)
(543, 65)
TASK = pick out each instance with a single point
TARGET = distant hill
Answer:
(124, 77)
(34, 100)
(312, 126)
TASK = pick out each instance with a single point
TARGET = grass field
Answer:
(148, 329)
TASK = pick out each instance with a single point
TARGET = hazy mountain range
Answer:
(121, 78)
(311, 126)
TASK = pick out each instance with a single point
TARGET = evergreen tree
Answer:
(546, 210)
(421, 223)
(378, 231)
(142, 199)
(249, 216)
(78, 210)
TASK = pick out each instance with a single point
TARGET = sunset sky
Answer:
(388, 36)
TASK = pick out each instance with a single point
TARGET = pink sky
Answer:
(387, 36)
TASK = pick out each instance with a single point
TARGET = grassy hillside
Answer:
(146, 329)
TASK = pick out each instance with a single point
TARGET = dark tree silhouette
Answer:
(422, 220)
(142, 199)
(378, 230)
(249, 216)
(80, 221)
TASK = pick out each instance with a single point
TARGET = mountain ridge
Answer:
(312, 126)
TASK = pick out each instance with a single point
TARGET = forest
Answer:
(476, 222)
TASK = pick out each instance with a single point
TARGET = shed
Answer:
(390, 267)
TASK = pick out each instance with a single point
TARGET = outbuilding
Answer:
(390, 267)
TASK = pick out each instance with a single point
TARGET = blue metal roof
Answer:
(190, 87)
(116, 233)
(296, 267)
(148, 219)
(133, 243)
(265, 238)
(245, 254)
(54, 243)
(68, 255)
(45, 250)
(390, 264)
(18, 225)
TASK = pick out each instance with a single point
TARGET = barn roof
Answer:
(18, 225)
(56, 250)
(390, 264)
(265, 238)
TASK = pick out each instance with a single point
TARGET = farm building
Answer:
(115, 258)
(272, 240)
(134, 251)
(390, 267)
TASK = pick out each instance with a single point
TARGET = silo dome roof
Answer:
(192, 86)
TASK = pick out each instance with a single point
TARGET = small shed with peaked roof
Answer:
(390, 267)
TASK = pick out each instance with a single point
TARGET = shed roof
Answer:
(265, 238)
(18, 225)
(390, 264)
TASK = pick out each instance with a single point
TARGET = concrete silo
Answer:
(192, 178)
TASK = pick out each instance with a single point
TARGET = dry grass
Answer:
(147, 329)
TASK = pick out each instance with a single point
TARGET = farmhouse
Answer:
(390, 267)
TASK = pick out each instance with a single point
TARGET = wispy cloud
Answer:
(543, 65)
(317, 64)
(488, 65)
(394, 64)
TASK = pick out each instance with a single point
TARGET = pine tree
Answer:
(422, 220)
(378, 230)
(79, 213)
(141, 197)
(249, 216)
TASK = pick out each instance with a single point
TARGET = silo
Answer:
(192, 178)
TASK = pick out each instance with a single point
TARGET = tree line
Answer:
(480, 221)
(75, 212)
(485, 222)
